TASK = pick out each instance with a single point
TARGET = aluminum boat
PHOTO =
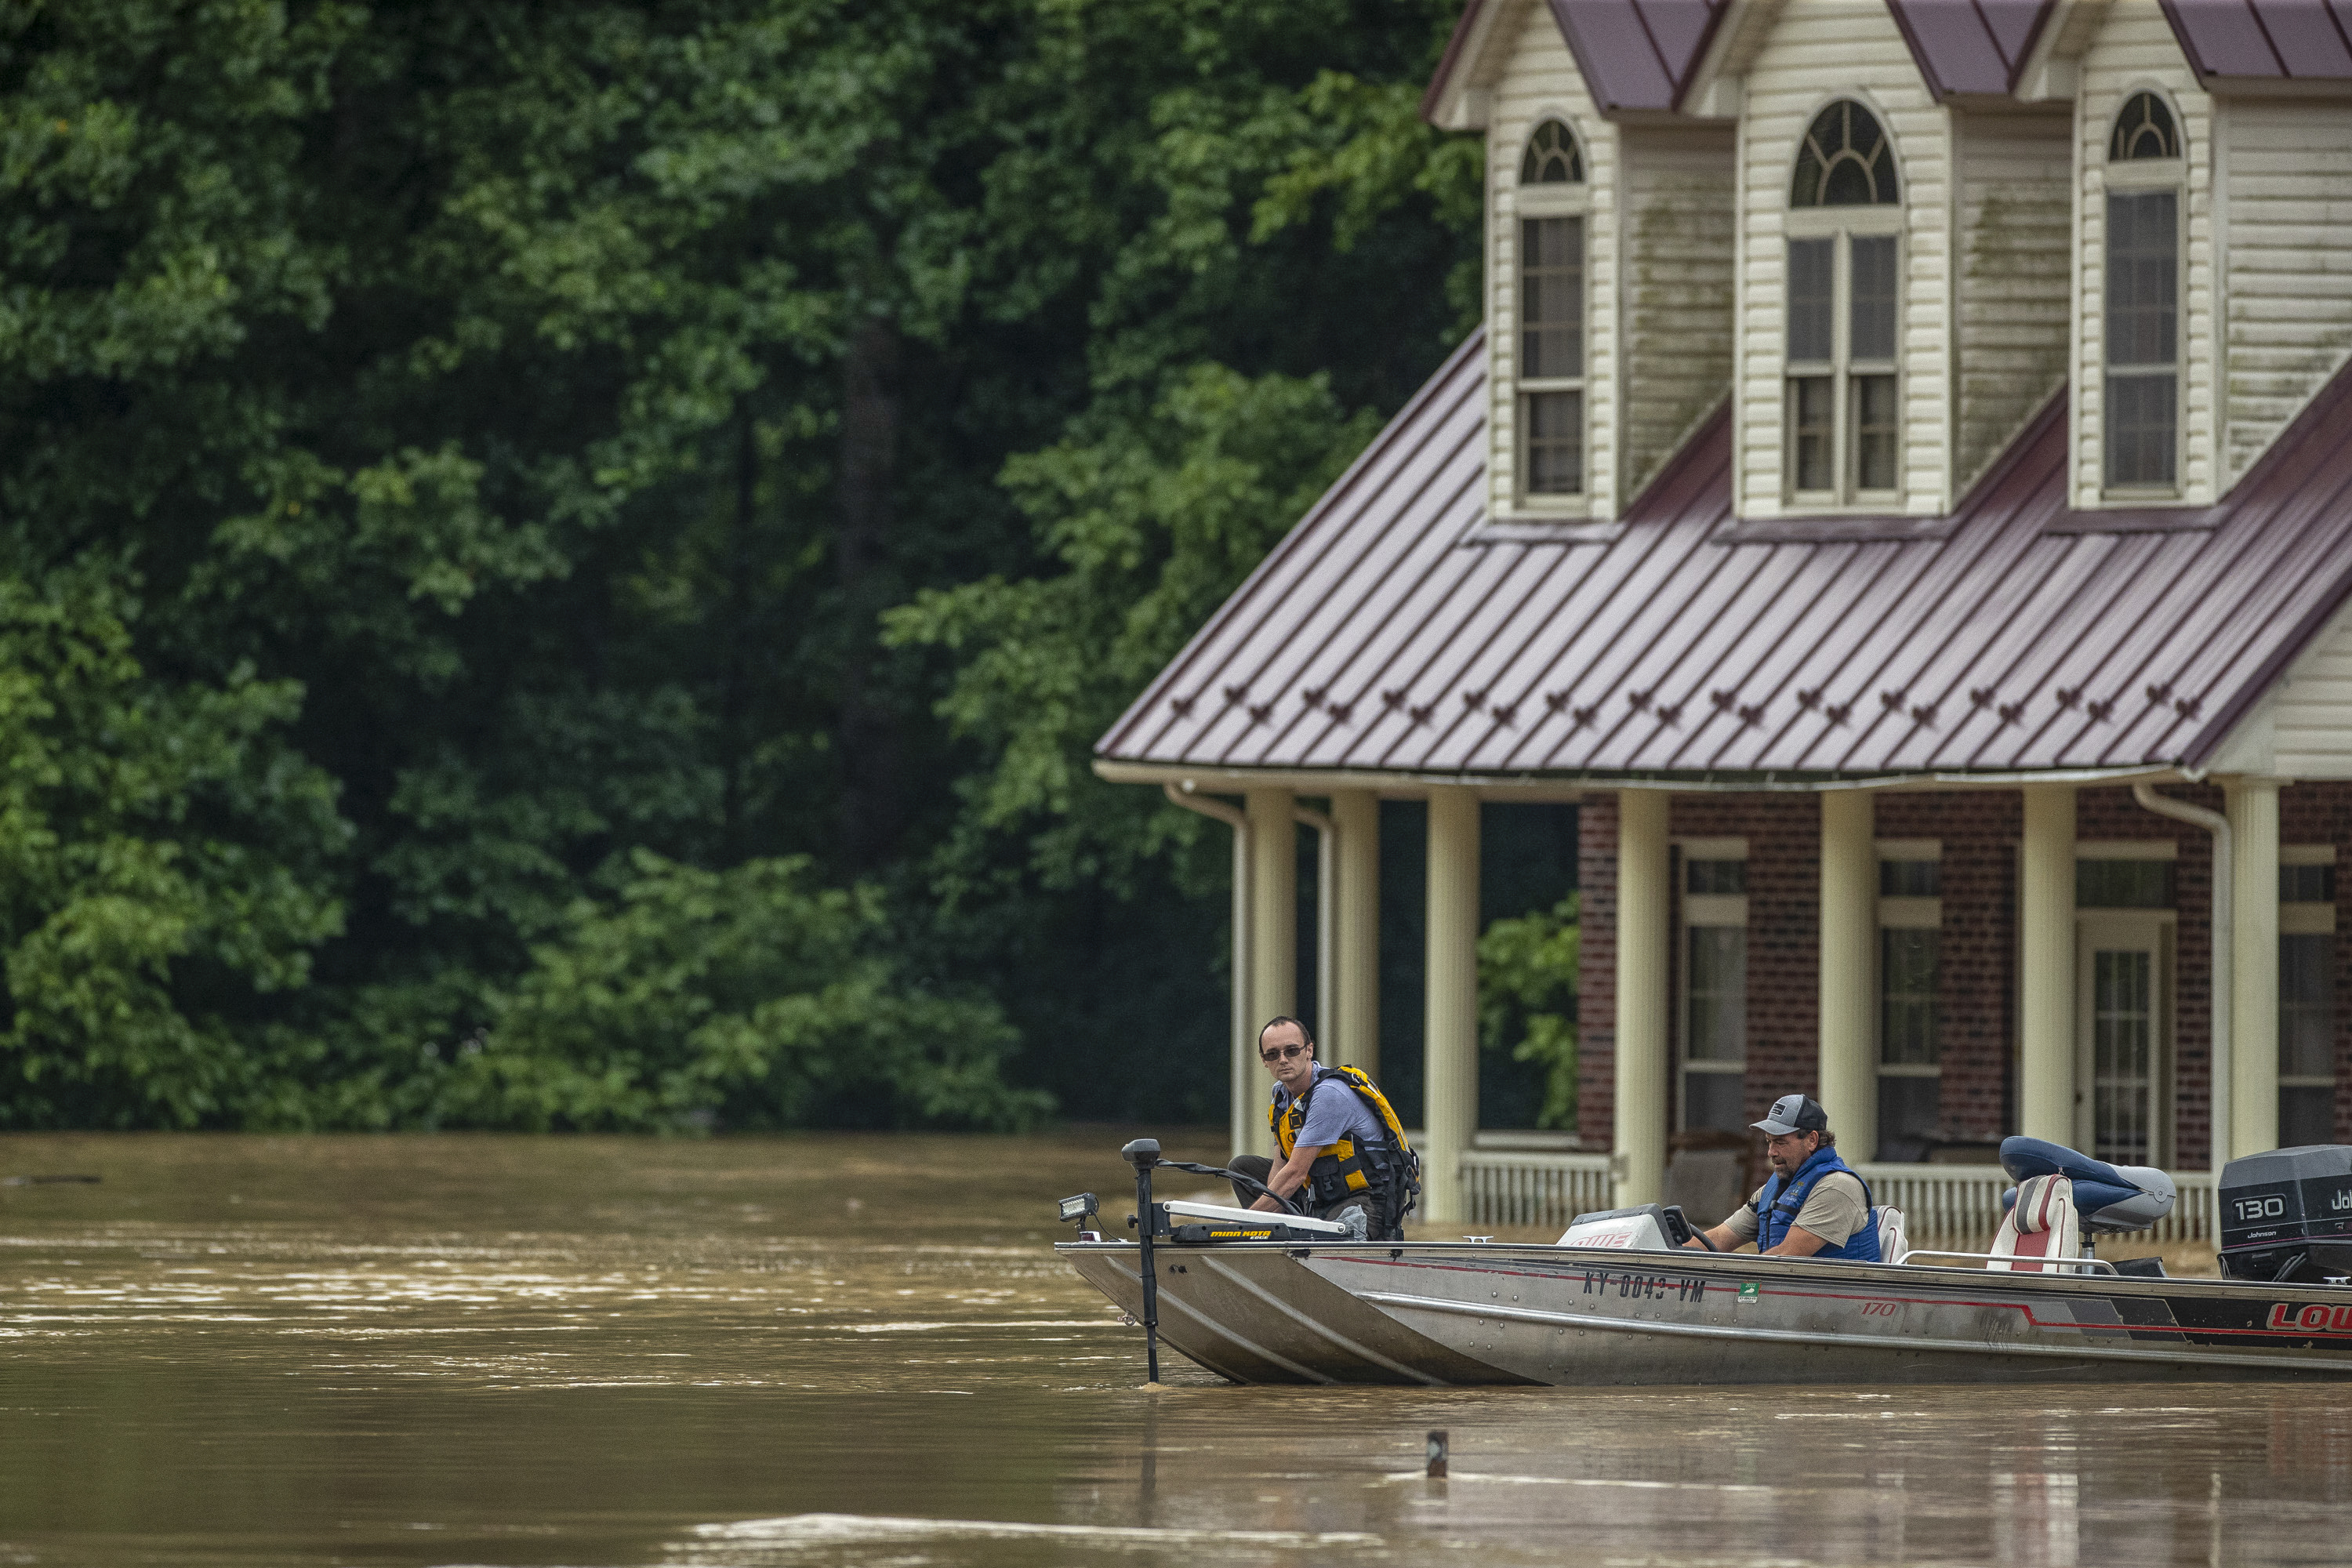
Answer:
(1303, 1307)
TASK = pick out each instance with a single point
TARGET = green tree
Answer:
(455, 452)
(1526, 1000)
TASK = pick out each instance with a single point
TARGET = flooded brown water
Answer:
(859, 1351)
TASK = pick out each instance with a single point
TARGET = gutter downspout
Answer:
(2224, 970)
(1239, 1115)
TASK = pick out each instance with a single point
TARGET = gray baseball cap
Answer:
(1793, 1113)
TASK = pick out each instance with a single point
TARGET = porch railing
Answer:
(1515, 1187)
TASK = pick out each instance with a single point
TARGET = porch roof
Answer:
(1395, 630)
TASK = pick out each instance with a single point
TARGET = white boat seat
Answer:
(2040, 1229)
(1891, 1243)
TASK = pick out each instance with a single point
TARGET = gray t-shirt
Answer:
(1834, 1210)
(1335, 1111)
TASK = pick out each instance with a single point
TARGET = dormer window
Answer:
(1551, 213)
(1843, 443)
(2142, 413)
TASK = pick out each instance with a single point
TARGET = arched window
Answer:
(1844, 428)
(2142, 404)
(1551, 157)
(1551, 307)
(2144, 130)
(1844, 161)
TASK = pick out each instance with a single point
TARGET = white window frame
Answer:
(1530, 202)
(1841, 226)
(2143, 177)
(1899, 913)
(1702, 911)
(2304, 918)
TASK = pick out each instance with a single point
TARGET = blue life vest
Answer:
(1778, 1205)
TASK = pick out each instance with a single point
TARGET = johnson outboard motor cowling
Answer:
(2107, 1198)
(2287, 1214)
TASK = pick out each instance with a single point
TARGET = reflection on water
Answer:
(858, 1351)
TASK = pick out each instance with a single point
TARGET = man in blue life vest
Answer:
(1813, 1206)
(1333, 1127)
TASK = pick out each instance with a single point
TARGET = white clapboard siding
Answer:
(1539, 81)
(2016, 227)
(2311, 710)
(2134, 50)
(2289, 204)
(1814, 53)
(1680, 203)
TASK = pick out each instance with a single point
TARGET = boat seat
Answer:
(2040, 1229)
(1891, 1243)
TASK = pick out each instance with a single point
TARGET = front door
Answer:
(2123, 1039)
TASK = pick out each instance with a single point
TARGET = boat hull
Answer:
(1438, 1313)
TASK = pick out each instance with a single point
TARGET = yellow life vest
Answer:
(1346, 1166)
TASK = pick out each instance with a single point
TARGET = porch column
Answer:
(2045, 1014)
(1644, 952)
(1352, 1019)
(2254, 809)
(1450, 1030)
(1273, 930)
(1849, 938)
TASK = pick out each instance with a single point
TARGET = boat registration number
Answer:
(1632, 1286)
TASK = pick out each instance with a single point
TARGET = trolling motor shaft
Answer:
(1144, 1153)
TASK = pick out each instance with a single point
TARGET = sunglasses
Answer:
(1281, 1053)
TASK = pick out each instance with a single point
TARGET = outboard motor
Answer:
(2111, 1199)
(2287, 1214)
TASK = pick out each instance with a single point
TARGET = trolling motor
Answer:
(1156, 1221)
(1144, 1153)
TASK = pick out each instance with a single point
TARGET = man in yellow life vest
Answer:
(1340, 1139)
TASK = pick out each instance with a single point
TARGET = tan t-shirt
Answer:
(1834, 1210)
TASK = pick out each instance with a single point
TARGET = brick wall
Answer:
(1596, 992)
(1978, 830)
(2322, 814)
(1977, 988)
(1784, 923)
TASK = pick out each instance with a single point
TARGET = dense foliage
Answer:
(558, 561)
(1526, 1000)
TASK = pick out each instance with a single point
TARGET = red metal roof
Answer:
(1632, 54)
(1971, 46)
(1637, 54)
(1395, 630)
(2303, 40)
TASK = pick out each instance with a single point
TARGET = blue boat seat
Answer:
(2109, 1199)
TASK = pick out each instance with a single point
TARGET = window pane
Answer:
(1910, 878)
(2306, 1006)
(1811, 411)
(1554, 421)
(1872, 321)
(2122, 884)
(1874, 432)
(1910, 1114)
(2306, 884)
(2306, 1115)
(2122, 1050)
(1812, 299)
(1551, 304)
(1715, 876)
(2142, 313)
(1907, 964)
(2144, 130)
(2141, 422)
(1715, 1099)
(1718, 995)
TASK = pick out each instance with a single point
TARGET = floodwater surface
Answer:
(859, 1352)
